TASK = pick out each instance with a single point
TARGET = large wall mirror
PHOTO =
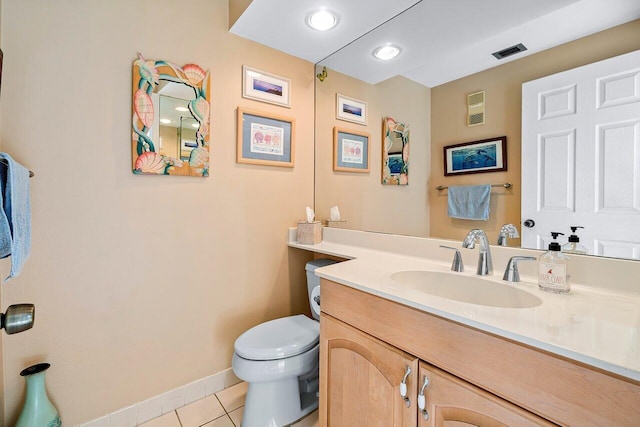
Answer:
(434, 104)
(170, 119)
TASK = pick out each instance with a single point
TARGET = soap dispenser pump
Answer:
(552, 273)
(573, 246)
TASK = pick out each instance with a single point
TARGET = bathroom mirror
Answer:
(371, 206)
(170, 125)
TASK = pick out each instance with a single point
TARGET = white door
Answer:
(581, 157)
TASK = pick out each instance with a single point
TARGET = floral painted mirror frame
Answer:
(146, 156)
(395, 152)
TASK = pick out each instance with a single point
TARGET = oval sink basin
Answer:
(469, 289)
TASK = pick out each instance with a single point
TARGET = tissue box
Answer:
(341, 223)
(309, 233)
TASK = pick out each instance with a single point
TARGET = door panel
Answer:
(361, 379)
(452, 402)
(581, 156)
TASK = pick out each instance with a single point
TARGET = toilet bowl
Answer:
(279, 361)
(273, 370)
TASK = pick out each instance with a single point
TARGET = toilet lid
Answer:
(279, 338)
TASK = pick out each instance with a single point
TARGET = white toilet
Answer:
(279, 361)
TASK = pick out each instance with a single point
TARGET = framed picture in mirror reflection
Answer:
(350, 151)
(351, 109)
(486, 155)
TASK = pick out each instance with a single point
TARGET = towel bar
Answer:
(31, 174)
(506, 185)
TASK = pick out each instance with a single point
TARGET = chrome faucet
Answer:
(507, 230)
(457, 264)
(511, 273)
(485, 266)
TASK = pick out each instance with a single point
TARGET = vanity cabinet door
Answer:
(360, 379)
(451, 402)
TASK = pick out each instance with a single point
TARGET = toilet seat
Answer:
(278, 339)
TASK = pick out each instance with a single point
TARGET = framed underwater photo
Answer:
(487, 155)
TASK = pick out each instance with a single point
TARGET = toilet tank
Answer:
(313, 281)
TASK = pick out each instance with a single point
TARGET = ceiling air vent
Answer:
(509, 51)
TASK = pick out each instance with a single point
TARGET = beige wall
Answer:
(363, 201)
(503, 117)
(127, 307)
(236, 9)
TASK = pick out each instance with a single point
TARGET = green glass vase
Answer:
(37, 410)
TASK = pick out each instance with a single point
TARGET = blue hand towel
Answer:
(15, 215)
(469, 202)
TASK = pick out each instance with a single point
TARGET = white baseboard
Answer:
(164, 403)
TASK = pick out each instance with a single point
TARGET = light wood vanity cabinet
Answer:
(475, 378)
(363, 375)
(451, 401)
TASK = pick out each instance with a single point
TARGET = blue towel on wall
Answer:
(15, 215)
(469, 202)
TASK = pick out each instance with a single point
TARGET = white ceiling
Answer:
(441, 40)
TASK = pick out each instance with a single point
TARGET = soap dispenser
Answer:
(552, 273)
(573, 246)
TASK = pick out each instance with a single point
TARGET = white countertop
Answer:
(596, 326)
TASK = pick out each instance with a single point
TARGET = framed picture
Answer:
(265, 139)
(265, 87)
(351, 110)
(487, 155)
(350, 151)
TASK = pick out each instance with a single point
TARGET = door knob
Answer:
(529, 223)
(18, 318)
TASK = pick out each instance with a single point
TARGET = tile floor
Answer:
(222, 409)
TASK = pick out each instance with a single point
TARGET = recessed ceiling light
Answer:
(182, 109)
(195, 125)
(386, 52)
(165, 121)
(322, 20)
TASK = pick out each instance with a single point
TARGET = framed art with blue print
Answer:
(351, 151)
(265, 139)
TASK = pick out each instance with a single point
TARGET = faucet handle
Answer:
(511, 273)
(507, 230)
(457, 264)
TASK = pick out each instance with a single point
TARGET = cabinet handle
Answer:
(403, 387)
(422, 401)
